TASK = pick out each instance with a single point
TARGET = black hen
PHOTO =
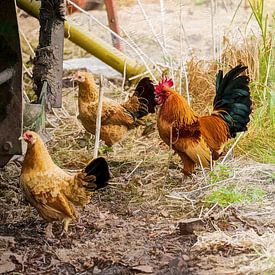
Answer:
(233, 100)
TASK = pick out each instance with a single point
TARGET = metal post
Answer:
(113, 22)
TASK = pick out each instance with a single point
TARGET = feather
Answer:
(145, 93)
(232, 99)
(98, 168)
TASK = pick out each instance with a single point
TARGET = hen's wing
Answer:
(113, 113)
(47, 193)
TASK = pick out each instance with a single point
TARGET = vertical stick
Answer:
(186, 84)
(148, 21)
(98, 118)
(181, 49)
(212, 29)
(162, 13)
(123, 82)
(232, 147)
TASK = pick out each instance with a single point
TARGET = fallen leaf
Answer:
(190, 225)
(143, 268)
(6, 265)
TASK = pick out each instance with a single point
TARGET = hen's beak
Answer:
(74, 78)
(20, 138)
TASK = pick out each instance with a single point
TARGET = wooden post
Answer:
(48, 61)
(113, 22)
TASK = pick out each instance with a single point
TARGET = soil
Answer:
(133, 225)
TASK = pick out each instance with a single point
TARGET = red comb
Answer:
(165, 82)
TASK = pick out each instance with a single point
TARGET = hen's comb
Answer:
(165, 82)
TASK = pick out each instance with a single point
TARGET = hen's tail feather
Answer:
(233, 100)
(99, 169)
(145, 92)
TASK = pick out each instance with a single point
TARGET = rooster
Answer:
(116, 119)
(201, 139)
(51, 190)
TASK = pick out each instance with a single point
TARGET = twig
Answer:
(268, 68)
(140, 54)
(171, 63)
(212, 29)
(181, 198)
(152, 29)
(27, 41)
(186, 85)
(162, 13)
(138, 76)
(170, 152)
(210, 210)
(27, 70)
(56, 115)
(98, 118)
(201, 211)
(123, 81)
(128, 176)
(232, 147)
(203, 171)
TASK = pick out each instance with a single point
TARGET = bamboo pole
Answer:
(89, 42)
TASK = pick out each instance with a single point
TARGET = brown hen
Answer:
(52, 191)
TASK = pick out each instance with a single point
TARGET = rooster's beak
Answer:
(20, 138)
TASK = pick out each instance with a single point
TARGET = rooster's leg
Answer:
(49, 231)
(188, 164)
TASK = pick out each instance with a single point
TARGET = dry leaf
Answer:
(6, 265)
(190, 225)
(143, 268)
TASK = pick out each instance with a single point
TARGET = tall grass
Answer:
(266, 26)
(259, 142)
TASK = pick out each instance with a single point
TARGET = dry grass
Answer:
(246, 54)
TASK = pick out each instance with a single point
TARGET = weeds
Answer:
(220, 172)
(225, 196)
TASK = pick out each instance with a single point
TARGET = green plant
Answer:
(225, 196)
(220, 172)
(105, 149)
(200, 2)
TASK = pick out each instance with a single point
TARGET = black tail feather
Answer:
(100, 169)
(145, 92)
(233, 100)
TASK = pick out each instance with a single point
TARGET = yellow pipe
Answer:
(92, 44)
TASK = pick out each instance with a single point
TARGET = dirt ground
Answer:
(136, 224)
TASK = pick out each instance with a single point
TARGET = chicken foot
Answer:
(49, 231)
